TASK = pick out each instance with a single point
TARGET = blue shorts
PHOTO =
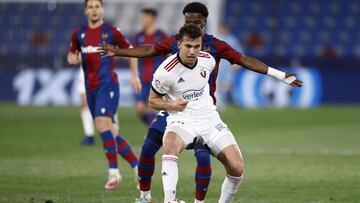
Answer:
(143, 96)
(104, 100)
(159, 122)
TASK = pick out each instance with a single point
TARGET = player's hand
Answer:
(74, 58)
(135, 82)
(106, 49)
(290, 77)
(179, 105)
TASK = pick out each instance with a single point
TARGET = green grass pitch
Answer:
(290, 156)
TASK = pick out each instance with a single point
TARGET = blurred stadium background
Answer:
(304, 148)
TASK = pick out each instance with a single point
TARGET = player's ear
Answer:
(178, 44)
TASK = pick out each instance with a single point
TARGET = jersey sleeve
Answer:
(226, 51)
(160, 83)
(163, 47)
(120, 39)
(74, 46)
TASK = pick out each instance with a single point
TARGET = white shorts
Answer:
(81, 81)
(210, 128)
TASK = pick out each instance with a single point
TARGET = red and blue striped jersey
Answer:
(217, 48)
(98, 70)
(148, 66)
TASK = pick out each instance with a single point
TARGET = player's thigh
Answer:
(107, 101)
(184, 129)
(159, 123)
(232, 160)
(83, 100)
(218, 136)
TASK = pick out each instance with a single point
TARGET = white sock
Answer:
(198, 201)
(88, 122)
(114, 171)
(229, 188)
(169, 173)
(145, 194)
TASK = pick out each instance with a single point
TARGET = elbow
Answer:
(151, 103)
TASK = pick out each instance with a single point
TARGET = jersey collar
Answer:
(182, 63)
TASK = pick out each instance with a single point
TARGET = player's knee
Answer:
(171, 145)
(203, 157)
(149, 148)
(140, 108)
(102, 125)
(170, 149)
(236, 168)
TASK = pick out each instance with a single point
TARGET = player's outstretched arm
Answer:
(73, 58)
(259, 67)
(156, 102)
(145, 51)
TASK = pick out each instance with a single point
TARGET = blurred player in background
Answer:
(195, 13)
(149, 35)
(225, 72)
(101, 82)
(86, 118)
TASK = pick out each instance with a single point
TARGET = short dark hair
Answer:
(86, 1)
(191, 31)
(196, 7)
(149, 11)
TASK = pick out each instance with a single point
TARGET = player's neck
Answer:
(96, 24)
(187, 65)
(151, 29)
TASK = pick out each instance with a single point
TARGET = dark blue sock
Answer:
(146, 166)
(203, 170)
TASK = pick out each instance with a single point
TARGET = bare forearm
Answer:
(259, 67)
(145, 51)
(253, 64)
(159, 104)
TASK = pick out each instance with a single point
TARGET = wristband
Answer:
(276, 73)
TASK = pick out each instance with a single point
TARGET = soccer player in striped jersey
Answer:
(101, 83)
(149, 35)
(194, 13)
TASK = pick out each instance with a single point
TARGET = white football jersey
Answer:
(176, 81)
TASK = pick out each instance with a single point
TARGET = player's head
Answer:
(196, 13)
(148, 17)
(189, 43)
(94, 10)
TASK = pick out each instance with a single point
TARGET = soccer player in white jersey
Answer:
(180, 87)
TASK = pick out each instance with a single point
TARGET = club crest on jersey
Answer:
(112, 94)
(82, 36)
(104, 35)
(203, 73)
(206, 49)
